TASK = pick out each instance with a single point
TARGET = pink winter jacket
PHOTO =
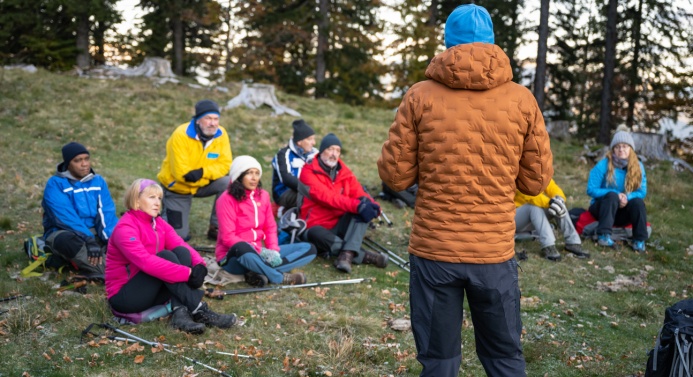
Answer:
(250, 220)
(133, 246)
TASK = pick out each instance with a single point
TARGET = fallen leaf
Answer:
(139, 359)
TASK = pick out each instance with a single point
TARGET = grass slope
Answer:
(571, 327)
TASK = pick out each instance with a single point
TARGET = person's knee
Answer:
(183, 255)
(67, 244)
(169, 256)
(637, 203)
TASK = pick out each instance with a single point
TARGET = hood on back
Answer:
(473, 66)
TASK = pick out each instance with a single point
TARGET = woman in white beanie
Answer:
(247, 242)
(618, 186)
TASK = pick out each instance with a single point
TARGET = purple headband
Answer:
(146, 183)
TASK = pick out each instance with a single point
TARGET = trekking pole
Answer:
(387, 219)
(168, 345)
(395, 258)
(11, 298)
(382, 213)
(219, 294)
(154, 344)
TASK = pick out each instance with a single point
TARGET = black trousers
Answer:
(608, 213)
(437, 291)
(143, 291)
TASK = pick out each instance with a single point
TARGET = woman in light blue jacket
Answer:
(618, 186)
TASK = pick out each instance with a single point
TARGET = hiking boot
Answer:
(255, 279)
(343, 261)
(605, 240)
(212, 232)
(182, 320)
(205, 315)
(551, 253)
(294, 279)
(576, 249)
(638, 246)
(378, 259)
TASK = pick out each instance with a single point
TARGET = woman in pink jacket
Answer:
(148, 264)
(247, 242)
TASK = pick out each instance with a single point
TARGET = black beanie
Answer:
(328, 141)
(72, 150)
(205, 107)
(301, 130)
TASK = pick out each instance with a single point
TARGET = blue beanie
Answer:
(468, 23)
(328, 141)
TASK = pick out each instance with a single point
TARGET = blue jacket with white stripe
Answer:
(78, 205)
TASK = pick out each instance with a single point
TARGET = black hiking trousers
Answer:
(607, 212)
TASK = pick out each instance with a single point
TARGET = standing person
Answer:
(288, 163)
(148, 264)
(78, 212)
(337, 210)
(197, 162)
(533, 215)
(618, 186)
(470, 137)
(247, 242)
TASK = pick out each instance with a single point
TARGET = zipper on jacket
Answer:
(156, 250)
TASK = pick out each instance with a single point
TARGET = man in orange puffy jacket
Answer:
(469, 136)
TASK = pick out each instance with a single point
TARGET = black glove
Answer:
(557, 207)
(367, 210)
(94, 249)
(197, 276)
(193, 175)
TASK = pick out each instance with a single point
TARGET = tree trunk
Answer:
(227, 46)
(178, 46)
(540, 72)
(609, 66)
(82, 41)
(634, 77)
(320, 63)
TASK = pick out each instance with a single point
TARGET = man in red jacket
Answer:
(337, 210)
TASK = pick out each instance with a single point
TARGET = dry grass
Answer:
(571, 328)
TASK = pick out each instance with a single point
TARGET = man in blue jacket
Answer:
(78, 212)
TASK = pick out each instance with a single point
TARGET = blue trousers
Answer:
(437, 292)
(293, 256)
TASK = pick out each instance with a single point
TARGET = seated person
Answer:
(78, 213)
(148, 264)
(288, 163)
(247, 242)
(533, 214)
(618, 186)
(197, 162)
(337, 210)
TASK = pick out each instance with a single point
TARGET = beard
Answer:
(330, 163)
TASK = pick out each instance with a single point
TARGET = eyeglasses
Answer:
(621, 146)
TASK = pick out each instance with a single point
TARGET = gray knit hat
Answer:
(622, 137)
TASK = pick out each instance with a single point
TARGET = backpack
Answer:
(39, 256)
(400, 198)
(672, 355)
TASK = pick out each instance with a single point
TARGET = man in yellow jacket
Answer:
(532, 218)
(197, 163)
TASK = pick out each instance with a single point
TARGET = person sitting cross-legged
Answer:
(533, 214)
(337, 210)
(248, 242)
(148, 264)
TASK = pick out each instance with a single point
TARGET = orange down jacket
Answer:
(469, 136)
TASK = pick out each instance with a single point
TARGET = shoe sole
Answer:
(580, 255)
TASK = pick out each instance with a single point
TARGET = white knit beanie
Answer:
(241, 164)
(622, 137)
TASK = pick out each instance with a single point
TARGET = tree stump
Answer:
(150, 67)
(256, 95)
(559, 129)
(651, 145)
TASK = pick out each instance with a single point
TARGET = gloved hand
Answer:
(367, 210)
(271, 257)
(94, 249)
(193, 175)
(197, 276)
(557, 207)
